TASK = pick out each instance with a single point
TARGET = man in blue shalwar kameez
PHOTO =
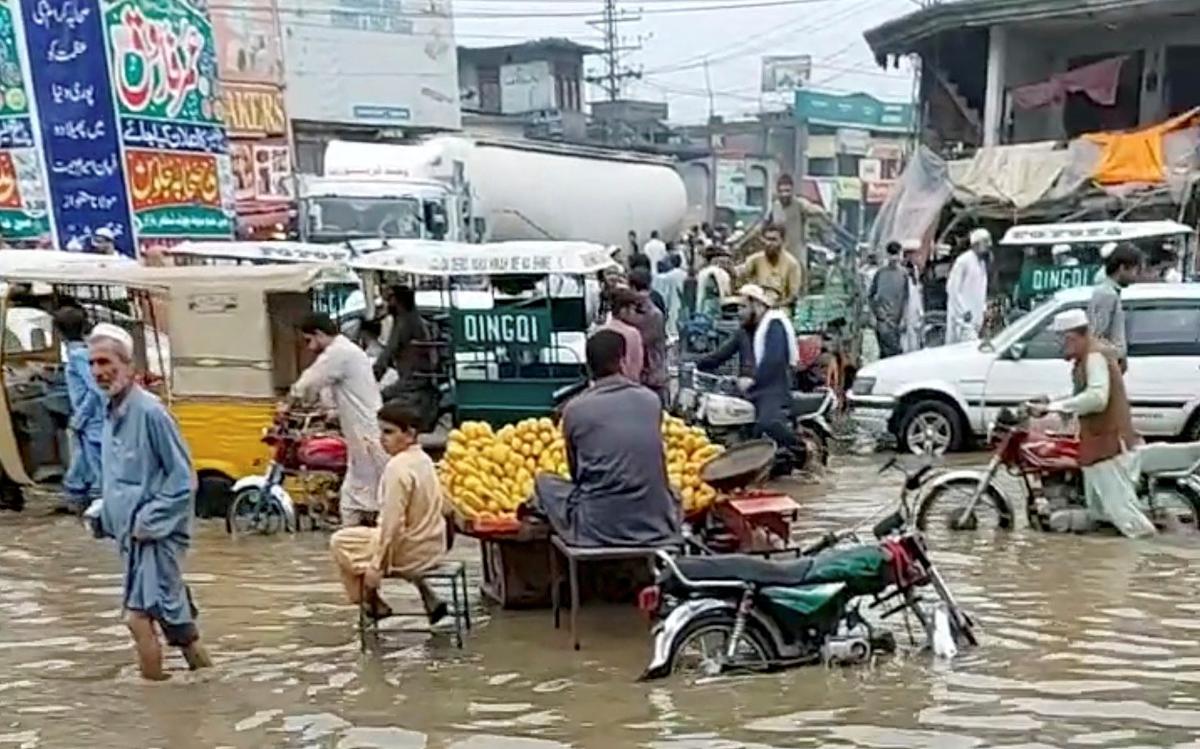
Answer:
(82, 482)
(147, 505)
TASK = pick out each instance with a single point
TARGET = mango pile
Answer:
(688, 449)
(488, 474)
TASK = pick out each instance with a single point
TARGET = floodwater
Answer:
(1086, 642)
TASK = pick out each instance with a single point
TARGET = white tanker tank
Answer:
(498, 190)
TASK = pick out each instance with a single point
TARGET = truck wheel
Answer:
(930, 426)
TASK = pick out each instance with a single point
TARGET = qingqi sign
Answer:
(506, 327)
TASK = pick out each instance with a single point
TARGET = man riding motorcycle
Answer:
(768, 385)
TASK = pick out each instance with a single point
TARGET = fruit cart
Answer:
(518, 314)
(488, 477)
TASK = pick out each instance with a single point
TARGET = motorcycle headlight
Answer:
(863, 385)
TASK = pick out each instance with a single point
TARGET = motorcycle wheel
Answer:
(1180, 503)
(253, 513)
(816, 445)
(703, 643)
(945, 504)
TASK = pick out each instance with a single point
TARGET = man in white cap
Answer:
(1105, 429)
(967, 288)
(1104, 309)
(776, 355)
(104, 241)
(147, 489)
(1106, 249)
(1061, 253)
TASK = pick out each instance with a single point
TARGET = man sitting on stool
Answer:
(618, 494)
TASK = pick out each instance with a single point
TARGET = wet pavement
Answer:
(1086, 641)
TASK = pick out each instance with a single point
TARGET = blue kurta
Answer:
(86, 426)
(147, 508)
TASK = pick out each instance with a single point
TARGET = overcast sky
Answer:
(675, 44)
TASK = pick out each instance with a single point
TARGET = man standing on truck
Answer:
(792, 214)
(773, 268)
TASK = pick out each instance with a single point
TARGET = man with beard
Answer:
(147, 506)
(1105, 314)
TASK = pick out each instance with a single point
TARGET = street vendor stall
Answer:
(517, 315)
(1078, 261)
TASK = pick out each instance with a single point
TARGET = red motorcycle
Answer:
(1047, 465)
(305, 448)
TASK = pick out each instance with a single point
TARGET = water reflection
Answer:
(1087, 642)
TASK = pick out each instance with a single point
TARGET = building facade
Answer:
(1033, 70)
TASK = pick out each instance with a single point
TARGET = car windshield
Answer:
(338, 218)
(1017, 328)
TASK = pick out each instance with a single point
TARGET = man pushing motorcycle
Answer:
(1105, 431)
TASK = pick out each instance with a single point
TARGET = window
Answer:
(822, 167)
(1044, 343)
(1164, 329)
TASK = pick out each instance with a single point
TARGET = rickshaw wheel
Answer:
(214, 496)
(252, 512)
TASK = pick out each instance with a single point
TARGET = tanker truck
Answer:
(474, 189)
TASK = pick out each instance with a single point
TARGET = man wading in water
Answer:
(147, 508)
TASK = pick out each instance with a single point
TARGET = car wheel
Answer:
(930, 427)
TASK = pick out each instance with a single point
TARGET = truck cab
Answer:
(339, 209)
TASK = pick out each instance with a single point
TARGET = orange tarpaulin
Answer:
(1136, 156)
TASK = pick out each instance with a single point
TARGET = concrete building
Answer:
(535, 88)
(1014, 71)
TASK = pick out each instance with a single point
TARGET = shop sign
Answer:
(1038, 280)
(22, 186)
(878, 190)
(503, 327)
(853, 110)
(870, 170)
(852, 141)
(177, 194)
(849, 188)
(261, 171)
(253, 110)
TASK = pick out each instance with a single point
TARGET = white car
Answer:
(940, 398)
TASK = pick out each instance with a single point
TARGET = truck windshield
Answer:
(336, 218)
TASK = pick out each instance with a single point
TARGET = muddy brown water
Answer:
(1086, 642)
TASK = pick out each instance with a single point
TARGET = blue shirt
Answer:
(87, 400)
(147, 490)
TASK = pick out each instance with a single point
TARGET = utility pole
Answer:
(615, 74)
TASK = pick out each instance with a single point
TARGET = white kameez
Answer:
(966, 292)
(1111, 494)
(914, 314)
(346, 371)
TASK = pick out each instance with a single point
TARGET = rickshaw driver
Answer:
(345, 370)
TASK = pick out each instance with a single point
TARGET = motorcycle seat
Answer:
(1167, 458)
(804, 404)
(745, 568)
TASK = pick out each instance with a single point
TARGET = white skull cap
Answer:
(1072, 319)
(106, 331)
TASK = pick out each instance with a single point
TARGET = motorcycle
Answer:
(738, 612)
(715, 403)
(315, 457)
(1047, 466)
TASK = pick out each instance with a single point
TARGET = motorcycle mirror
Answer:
(889, 465)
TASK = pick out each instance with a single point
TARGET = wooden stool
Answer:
(576, 554)
(452, 573)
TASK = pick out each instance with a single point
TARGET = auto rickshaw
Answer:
(518, 315)
(219, 348)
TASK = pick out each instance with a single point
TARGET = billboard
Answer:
(129, 128)
(387, 64)
(785, 74)
(22, 185)
(853, 110)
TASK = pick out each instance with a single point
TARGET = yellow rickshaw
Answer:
(218, 345)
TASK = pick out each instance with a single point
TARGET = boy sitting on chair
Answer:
(410, 538)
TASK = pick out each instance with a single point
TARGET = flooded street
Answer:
(1088, 642)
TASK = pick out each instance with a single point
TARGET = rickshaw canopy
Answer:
(445, 259)
(262, 252)
(1092, 232)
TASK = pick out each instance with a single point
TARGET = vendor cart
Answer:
(517, 316)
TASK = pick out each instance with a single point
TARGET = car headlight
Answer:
(863, 385)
